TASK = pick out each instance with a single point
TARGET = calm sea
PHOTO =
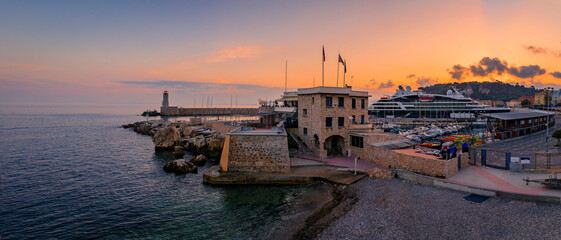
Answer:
(76, 175)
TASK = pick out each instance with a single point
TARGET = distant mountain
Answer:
(496, 91)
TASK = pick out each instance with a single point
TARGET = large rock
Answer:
(199, 160)
(180, 166)
(165, 138)
(214, 148)
(190, 131)
(178, 151)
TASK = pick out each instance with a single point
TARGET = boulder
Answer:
(214, 148)
(178, 151)
(199, 144)
(165, 138)
(189, 131)
(180, 166)
(199, 160)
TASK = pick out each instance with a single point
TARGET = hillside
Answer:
(496, 91)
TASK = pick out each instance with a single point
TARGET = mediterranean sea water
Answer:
(80, 175)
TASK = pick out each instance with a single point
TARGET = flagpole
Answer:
(322, 63)
(285, 75)
(338, 70)
(344, 72)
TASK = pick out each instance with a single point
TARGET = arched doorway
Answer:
(334, 145)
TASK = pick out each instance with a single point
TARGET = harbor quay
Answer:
(326, 134)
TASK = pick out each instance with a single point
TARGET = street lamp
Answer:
(548, 89)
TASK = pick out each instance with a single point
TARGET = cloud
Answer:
(526, 71)
(536, 50)
(371, 83)
(236, 52)
(198, 87)
(5, 67)
(458, 72)
(491, 66)
(425, 81)
(387, 84)
(541, 50)
(556, 74)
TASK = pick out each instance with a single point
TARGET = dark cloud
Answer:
(489, 66)
(458, 72)
(387, 84)
(536, 50)
(556, 74)
(425, 81)
(529, 71)
(411, 76)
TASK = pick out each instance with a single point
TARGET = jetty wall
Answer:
(179, 111)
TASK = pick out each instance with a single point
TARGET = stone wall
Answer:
(416, 164)
(220, 128)
(257, 153)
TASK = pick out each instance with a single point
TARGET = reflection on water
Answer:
(81, 175)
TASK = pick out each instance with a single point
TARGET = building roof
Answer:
(332, 90)
(396, 144)
(517, 115)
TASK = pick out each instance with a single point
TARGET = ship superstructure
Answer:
(416, 104)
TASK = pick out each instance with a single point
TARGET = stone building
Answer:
(326, 115)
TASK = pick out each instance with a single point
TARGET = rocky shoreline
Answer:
(181, 137)
(307, 217)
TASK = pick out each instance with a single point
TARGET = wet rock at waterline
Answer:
(180, 166)
(165, 138)
(199, 160)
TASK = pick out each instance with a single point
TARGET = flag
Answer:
(341, 59)
(345, 65)
(323, 50)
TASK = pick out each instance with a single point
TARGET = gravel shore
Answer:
(393, 209)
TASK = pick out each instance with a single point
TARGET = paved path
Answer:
(341, 162)
(496, 179)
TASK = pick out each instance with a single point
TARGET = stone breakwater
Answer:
(180, 137)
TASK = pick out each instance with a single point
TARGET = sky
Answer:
(129, 52)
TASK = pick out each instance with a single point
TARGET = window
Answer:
(522, 122)
(357, 142)
(305, 131)
(341, 102)
(328, 101)
(530, 121)
(354, 119)
(305, 112)
(312, 100)
(362, 103)
(328, 122)
(362, 119)
(354, 103)
(341, 121)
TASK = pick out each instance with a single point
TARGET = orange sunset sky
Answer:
(130, 51)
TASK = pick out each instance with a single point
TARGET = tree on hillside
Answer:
(525, 102)
(557, 134)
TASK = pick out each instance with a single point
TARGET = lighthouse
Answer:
(165, 102)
